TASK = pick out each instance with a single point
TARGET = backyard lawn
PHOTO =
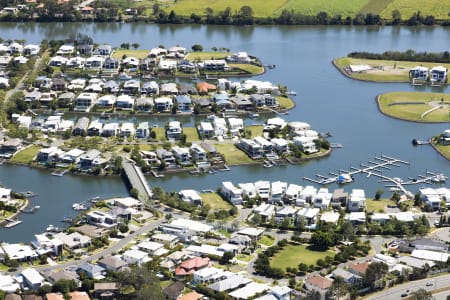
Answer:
(206, 55)
(26, 156)
(257, 130)
(266, 240)
(215, 201)
(191, 134)
(285, 102)
(233, 156)
(416, 106)
(293, 255)
(444, 150)
(160, 133)
(378, 205)
(119, 53)
(248, 68)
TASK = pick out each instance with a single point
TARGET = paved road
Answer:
(103, 253)
(396, 292)
(441, 295)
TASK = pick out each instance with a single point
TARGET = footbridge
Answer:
(136, 179)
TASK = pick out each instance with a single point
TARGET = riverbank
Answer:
(381, 71)
(443, 150)
(415, 106)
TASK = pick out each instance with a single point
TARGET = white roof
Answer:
(18, 251)
(151, 246)
(359, 216)
(404, 216)
(164, 237)
(430, 255)
(192, 225)
(439, 68)
(277, 122)
(279, 142)
(293, 189)
(32, 276)
(308, 212)
(230, 283)
(329, 217)
(205, 249)
(249, 290)
(360, 68)
(135, 254)
(206, 126)
(251, 231)
(379, 216)
(127, 201)
(234, 122)
(8, 284)
(415, 262)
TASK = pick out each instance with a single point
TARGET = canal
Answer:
(327, 100)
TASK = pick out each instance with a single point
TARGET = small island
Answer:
(415, 106)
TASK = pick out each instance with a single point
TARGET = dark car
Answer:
(404, 295)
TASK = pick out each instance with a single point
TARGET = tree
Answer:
(322, 239)
(375, 272)
(339, 288)
(197, 48)
(226, 257)
(421, 294)
(396, 17)
(135, 45)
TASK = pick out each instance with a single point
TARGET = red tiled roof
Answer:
(361, 268)
(319, 281)
(79, 296)
(87, 8)
(54, 296)
(191, 296)
(204, 87)
(195, 263)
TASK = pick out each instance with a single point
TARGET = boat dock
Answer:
(31, 210)
(336, 145)
(373, 167)
(11, 222)
(60, 173)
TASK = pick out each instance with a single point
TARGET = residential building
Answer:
(169, 240)
(127, 130)
(94, 129)
(163, 104)
(111, 129)
(198, 154)
(357, 201)
(174, 130)
(419, 73)
(263, 189)
(253, 149)
(191, 196)
(92, 271)
(277, 191)
(205, 130)
(292, 193)
(248, 190)
(32, 278)
(191, 265)
(125, 102)
(90, 159)
(348, 277)
(322, 199)
(106, 101)
(182, 155)
(318, 284)
(184, 103)
(144, 104)
(265, 211)
(135, 257)
(231, 193)
(143, 130)
(101, 219)
(339, 198)
(438, 74)
(309, 216)
(85, 101)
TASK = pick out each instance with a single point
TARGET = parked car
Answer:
(404, 295)
(429, 283)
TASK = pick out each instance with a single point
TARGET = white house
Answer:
(125, 102)
(32, 278)
(127, 129)
(419, 73)
(135, 257)
(85, 101)
(107, 101)
(309, 215)
(110, 129)
(292, 193)
(163, 104)
(278, 188)
(248, 189)
(438, 74)
(263, 189)
(191, 196)
(322, 199)
(265, 210)
(307, 195)
(231, 193)
(357, 201)
(174, 130)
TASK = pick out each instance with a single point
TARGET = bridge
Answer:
(136, 179)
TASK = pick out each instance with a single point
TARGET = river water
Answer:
(327, 100)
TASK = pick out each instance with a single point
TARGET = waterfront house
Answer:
(111, 64)
(187, 66)
(72, 156)
(105, 50)
(49, 155)
(34, 95)
(144, 104)
(262, 87)
(322, 199)
(111, 86)
(241, 102)
(4, 61)
(308, 215)
(236, 125)
(280, 145)
(248, 190)
(263, 189)
(191, 196)
(106, 101)
(431, 198)
(95, 128)
(266, 146)
(339, 198)
(65, 50)
(150, 88)
(438, 74)
(76, 62)
(419, 73)
(203, 103)
(214, 65)
(198, 154)
(157, 52)
(143, 130)
(9, 285)
(94, 62)
(277, 191)
(64, 126)
(65, 99)
(101, 219)
(90, 159)
(32, 278)
(445, 137)
(251, 148)
(47, 99)
(174, 130)
(231, 193)
(240, 57)
(110, 129)
(357, 201)
(166, 156)
(307, 195)
(5, 195)
(11, 145)
(184, 103)
(265, 211)
(187, 89)
(306, 144)
(204, 88)
(163, 104)
(18, 252)
(167, 66)
(77, 84)
(58, 61)
(127, 130)
(81, 126)
(206, 130)
(85, 101)
(124, 102)
(292, 193)
(31, 49)
(182, 155)
(318, 284)
(74, 240)
(44, 245)
(85, 49)
(131, 87)
(169, 88)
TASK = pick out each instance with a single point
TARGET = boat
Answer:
(211, 117)
(79, 206)
(291, 93)
(51, 228)
(60, 173)
(95, 199)
(253, 115)
(439, 178)
(124, 76)
(344, 178)
(268, 164)
(397, 179)
(394, 189)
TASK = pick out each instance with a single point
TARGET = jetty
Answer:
(136, 178)
(60, 173)
(12, 223)
(31, 210)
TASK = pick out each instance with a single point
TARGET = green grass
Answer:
(206, 55)
(375, 6)
(437, 8)
(26, 156)
(293, 255)
(392, 71)
(285, 102)
(244, 257)
(331, 7)
(267, 240)
(119, 53)
(191, 134)
(378, 205)
(413, 112)
(215, 201)
(444, 150)
(248, 68)
(257, 130)
(233, 156)
(160, 133)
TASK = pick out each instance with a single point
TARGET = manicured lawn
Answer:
(160, 133)
(257, 130)
(266, 240)
(378, 205)
(233, 156)
(206, 55)
(444, 149)
(26, 156)
(389, 70)
(292, 255)
(415, 112)
(215, 201)
(285, 102)
(119, 53)
(375, 7)
(248, 68)
(191, 134)
(244, 257)
(437, 8)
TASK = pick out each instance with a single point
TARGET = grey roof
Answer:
(67, 95)
(428, 242)
(82, 123)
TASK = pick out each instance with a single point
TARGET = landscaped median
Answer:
(415, 106)
(381, 70)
